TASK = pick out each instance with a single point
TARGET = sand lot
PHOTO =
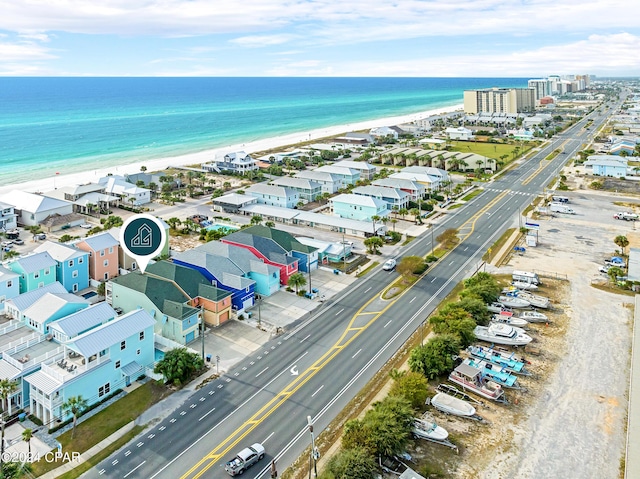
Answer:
(571, 422)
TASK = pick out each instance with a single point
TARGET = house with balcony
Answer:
(86, 198)
(214, 302)
(36, 270)
(382, 131)
(349, 176)
(307, 256)
(308, 190)
(222, 273)
(274, 195)
(394, 197)
(266, 276)
(9, 285)
(238, 162)
(367, 170)
(103, 250)
(72, 265)
(329, 182)
(459, 133)
(128, 193)
(415, 190)
(95, 364)
(169, 305)
(8, 217)
(358, 207)
(267, 250)
(51, 307)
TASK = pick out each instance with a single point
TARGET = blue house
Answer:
(51, 307)
(72, 265)
(15, 307)
(358, 207)
(95, 364)
(36, 270)
(9, 285)
(607, 165)
(273, 195)
(223, 273)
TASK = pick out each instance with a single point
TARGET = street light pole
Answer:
(202, 328)
(314, 454)
(344, 254)
(432, 228)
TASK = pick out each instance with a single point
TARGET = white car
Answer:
(604, 269)
(389, 265)
(86, 226)
(245, 459)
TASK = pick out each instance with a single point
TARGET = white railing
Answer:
(18, 342)
(169, 343)
(11, 326)
(49, 371)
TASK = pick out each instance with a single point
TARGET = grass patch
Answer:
(491, 253)
(471, 195)
(408, 240)
(106, 422)
(609, 288)
(367, 269)
(399, 286)
(490, 150)
(102, 455)
(455, 206)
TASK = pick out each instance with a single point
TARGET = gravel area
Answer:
(571, 423)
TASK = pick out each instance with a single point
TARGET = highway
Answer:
(316, 369)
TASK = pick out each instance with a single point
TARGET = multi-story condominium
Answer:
(540, 87)
(103, 250)
(72, 265)
(499, 100)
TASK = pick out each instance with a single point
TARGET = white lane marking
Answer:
(236, 374)
(252, 363)
(267, 438)
(206, 414)
(412, 299)
(172, 420)
(451, 263)
(183, 413)
(220, 386)
(357, 352)
(151, 436)
(127, 453)
(339, 311)
(114, 462)
(262, 371)
(211, 393)
(388, 323)
(139, 465)
(101, 471)
(140, 444)
(366, 290)
(162, 428)
(244, 368)
(434, 278)
(193, 405)
(227, 417)
(228, 380)
(305, 338)
(317, 391)
(465, 249)
(203, 399)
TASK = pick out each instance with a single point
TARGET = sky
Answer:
(401, 38)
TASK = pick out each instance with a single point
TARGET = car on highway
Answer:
(245, 459)
(389, 265)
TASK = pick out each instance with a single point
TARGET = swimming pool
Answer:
(158, 354)
(221, 227)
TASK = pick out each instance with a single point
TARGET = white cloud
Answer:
(16, 52)
(256, 41)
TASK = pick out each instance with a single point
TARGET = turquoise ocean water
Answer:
(65, 125)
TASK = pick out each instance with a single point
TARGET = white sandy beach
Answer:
(58, 181)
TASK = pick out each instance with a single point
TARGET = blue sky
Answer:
(473, 38)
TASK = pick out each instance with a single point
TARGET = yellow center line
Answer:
(543, 164)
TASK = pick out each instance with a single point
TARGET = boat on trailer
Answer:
(447, 404)
(498, 308)
(533, 317)
(425, 428)
(507, 360)
(524, 286)
(502, 334)
(514, 302)
(534, 300)
(472, 379)
(496, 373)
(510, 319)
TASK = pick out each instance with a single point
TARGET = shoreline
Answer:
(71, 179)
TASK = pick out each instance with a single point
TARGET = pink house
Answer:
(103, 255)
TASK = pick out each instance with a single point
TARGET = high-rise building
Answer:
(540, 86)
(499, 100)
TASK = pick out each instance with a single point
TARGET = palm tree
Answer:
(374, 218)
(296, 280)
(26, 437)
(402, 212)
(6, 389)
(74, 405)
(621, 241)
(143, 168)
(256, 219)
(174, 223)
(416, 214)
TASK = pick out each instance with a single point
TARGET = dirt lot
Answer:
(570, 423)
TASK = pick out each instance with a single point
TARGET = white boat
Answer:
(509, 319)
(452, 405)
(429, 430)
(502, 334)
(535, 300)
(514, 302)
(524, 286)
(497, 308)
(533, 317)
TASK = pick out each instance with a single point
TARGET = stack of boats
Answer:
(507, 317)
(534, 300)
(496, 373)
(508, 360)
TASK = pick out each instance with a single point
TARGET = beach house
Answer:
(308, 190)
(349, 176)
(238, 162)
(358, 207)
(95, 365)
(267, 250)
(367, 170)
(8, 217)
(394, 197)
(15, 307)
(459, 133)
(36, 270)
(32, 209)
(608, 165)
(50, 307)
(274, 195)
(414, 189)
(72, 265)
(382, 131)
(86, 198)
(9, 285)
(129, 194)
(103, 250)
(329, 182)
(164, 300)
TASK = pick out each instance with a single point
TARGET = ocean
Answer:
(66, 125)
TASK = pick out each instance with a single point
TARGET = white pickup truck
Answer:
(626, 216)
(245, 459)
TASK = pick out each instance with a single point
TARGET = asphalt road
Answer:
(318, 367)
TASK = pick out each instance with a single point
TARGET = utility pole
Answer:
(344, 254)
(202, 328)
(314, 454)
(432, 228)
(309, 271)
(217, 364)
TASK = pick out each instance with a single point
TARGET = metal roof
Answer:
(8, 371)
(131, 368)
(35, 262)
(398, 183)
(359, 200)
(302, 183)
(49, 304)
(6, 274)
(34, 203)
(113, 332)
(241, 257)
(60, 252)
(467, 370)
(355, 165)
(234, 199)
(274, 190)
(83, 320)
(24, 300)
(380, 192)
(43, 382)
(100, 241)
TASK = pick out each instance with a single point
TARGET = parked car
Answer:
(6, 244)
(604, 269)
(245, 459)
(41, 236)
(389, 265)
(18, 241)
(86, 226)
(616, 261)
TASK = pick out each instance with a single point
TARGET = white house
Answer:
(128, 193)
(33, 209)
(367, 171)
(330, 182)
(7, 217)
(382, 131)
(459, 133)
(236, 162)
(274, 195)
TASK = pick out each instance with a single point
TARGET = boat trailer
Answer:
(475, 417)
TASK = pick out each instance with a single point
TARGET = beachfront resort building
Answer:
(274, 195)
(499, 100)
(358, 207)
(238, 162)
